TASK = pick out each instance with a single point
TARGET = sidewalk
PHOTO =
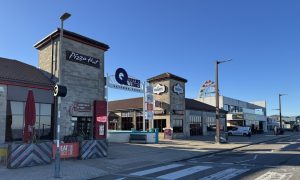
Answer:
(125, 156)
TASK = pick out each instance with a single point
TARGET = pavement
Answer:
(125, 156)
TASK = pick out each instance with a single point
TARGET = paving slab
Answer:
(126, 156)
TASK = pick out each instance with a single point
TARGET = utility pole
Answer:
(280, 118)
(217, 138)
(57, 154)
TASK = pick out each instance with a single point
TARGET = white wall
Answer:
(212, 101)
(123, 136)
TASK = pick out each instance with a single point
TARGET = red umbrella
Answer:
(29, 117)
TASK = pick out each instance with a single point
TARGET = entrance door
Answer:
(195, 130)
(160, 124)
(84, 127)
(261, 125)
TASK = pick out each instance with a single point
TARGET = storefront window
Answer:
(15, 121)
(127, 123)
(160, 124)
(178, 126)
(139, 123)
(226, 107)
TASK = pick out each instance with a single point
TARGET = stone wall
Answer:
(178, 103)
(165, 99)
(85, 83)
(45, 58)
(3, 102)
(171, 101)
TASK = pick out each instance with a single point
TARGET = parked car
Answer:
(240, 131)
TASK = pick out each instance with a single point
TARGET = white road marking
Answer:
(274, 175)
(184, 172)
(255, 157)
(121, 178)
(226, 174)
(155, 170)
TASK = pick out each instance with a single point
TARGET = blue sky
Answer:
(183, 37)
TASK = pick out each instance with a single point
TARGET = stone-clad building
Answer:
(83, 109)
(171, 100)
(187, 117)
(82, 73)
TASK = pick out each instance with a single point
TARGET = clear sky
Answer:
(183, 37)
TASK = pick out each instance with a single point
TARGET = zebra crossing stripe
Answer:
(226, 174)
(274, 175)
(184, 172)
(155, 170)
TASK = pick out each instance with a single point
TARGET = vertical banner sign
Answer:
(149, 102)
(100, 119)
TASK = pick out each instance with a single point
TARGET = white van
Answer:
(240, 131)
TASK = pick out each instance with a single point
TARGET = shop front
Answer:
(174, 116)
(83, 111)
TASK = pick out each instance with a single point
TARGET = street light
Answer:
(217, 138)
(64, 17)
(280, 118)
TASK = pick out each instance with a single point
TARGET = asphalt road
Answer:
(275, 160)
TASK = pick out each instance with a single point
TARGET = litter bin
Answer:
(224, 137)
(168, 133)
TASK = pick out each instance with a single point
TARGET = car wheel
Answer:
(244, 134)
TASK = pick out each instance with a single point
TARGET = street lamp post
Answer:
(217, 138)
(57, 154)
(280, 118)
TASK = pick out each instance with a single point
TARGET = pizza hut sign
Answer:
(82, 59)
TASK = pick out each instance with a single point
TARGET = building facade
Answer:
(186, 117)
(16, 79)
(83, 109)
(82, 73)
(241, 113)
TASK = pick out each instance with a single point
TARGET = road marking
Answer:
(274, 175)
(121, 178)
(254, 158)
(226, 174)
(155, 170)
(184, 172)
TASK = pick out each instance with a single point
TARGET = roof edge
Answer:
(72, 36)
(166, 75)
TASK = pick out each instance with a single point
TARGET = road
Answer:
(275, 160)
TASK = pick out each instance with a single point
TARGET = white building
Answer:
(241, 113)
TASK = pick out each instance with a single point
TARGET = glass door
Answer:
(84, 127)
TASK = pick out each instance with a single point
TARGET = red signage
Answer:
(67, 150)
(101, 119)
(149, 107)
(168, 133)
